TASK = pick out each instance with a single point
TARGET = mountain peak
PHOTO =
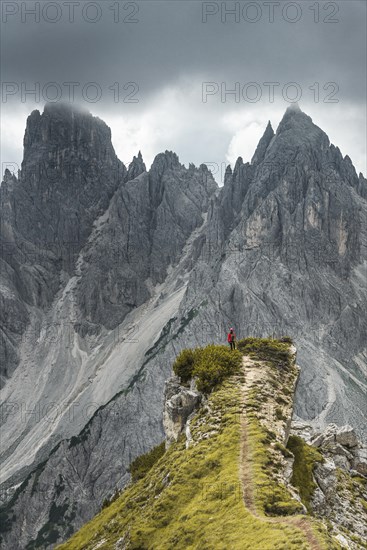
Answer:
(263, 144)
(298, 129)
(63, 125)
(165, 161)
(136, 167)
(294, 108)
(295, 115)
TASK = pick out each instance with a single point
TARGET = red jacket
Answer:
(231, 337)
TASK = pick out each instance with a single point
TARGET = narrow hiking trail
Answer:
(256, 373)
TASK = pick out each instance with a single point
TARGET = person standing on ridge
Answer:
(231, 338)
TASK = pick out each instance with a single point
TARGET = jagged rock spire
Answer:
(162, 162)
(228, 174)
(263, 145)
(136, 167)
(165, 160)
(8, 176)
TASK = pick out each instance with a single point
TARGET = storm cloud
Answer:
(200, 78)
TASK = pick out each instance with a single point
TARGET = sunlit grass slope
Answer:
(193, 498)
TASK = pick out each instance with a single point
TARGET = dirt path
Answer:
(245, 470)
(254, 374)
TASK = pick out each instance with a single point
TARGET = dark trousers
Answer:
(233, 345)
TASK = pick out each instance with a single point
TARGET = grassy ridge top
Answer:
(196, 498)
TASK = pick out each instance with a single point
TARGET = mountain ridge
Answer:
(231, 463)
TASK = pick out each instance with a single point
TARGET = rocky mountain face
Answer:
(340, 480)
(290, 257)
(68, 176)
(143, 233)
(107, 272)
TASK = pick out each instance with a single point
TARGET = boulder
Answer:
(337, 449)
(342, 462)
(178, 408)
(346, 436)
(359, 462)
(172, 387)
(327, 436)
(304, 430)
(325, 475)
(288, 468)
(318, 501)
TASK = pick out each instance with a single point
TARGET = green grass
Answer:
(271, 497)
(274, 352)
(192, 498)
(305, 459)
(142, 464)
(209, 365)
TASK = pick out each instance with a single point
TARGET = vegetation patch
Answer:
(142, 464)
(305, 459)
(274, 352)
(192, 498)
(210, 366)
(271, 497)
(165, 332)
(184, 364)
(49, 534)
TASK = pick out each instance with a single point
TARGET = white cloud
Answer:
(13, 123)
(213, 133)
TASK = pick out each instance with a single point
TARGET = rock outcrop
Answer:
(340, 444)
(341, 480)
(179, 404)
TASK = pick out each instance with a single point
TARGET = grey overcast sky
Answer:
(160, 73)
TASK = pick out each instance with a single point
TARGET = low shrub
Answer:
(209, 365)
(184, 364)
(213, 365)
(285, 452)
(267, 349)
(143, 463)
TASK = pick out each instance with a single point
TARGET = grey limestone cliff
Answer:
(108, 272)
